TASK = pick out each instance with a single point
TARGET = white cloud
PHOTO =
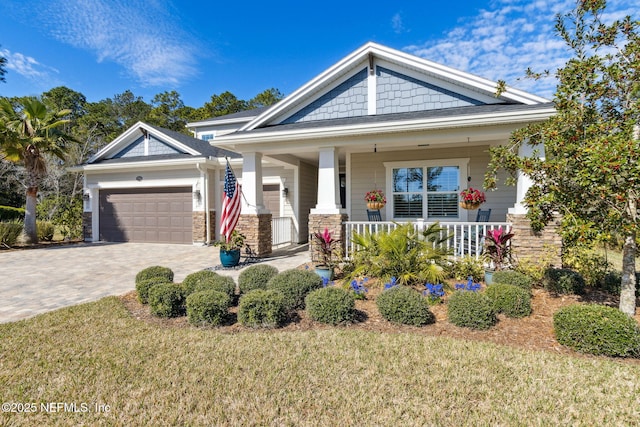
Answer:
(397, 24)
(513, 35)
(136, 34)
(26, 66)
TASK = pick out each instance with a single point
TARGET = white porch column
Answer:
(252, 202)
(328, 182)
(94, 206)
(524, 182)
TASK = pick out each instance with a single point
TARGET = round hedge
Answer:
(262, 308)
(511, 300)
(255, 277)
(471, 309)
(331, 305)
(224, 284)
(166, 300)
(207, 308)
(143, 286)
(405, 305)
(295, 285)
(155, 271)
(563, 281)
(515, 278)
(597, 329)
(194, 279)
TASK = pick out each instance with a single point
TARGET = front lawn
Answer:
(150, 374)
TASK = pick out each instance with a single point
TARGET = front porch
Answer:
(462, 238)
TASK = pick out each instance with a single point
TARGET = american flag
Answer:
(230, 204)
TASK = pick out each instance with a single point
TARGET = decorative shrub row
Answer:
(207, 280)
(166, 300)
(262, 308)
(209, 307)
(514, 278)
(9, 213)
(404, 305)
(331, 305)
(143, 287)
(471, 309)
(509, 299)
(255, 277)
(294, 285)
(10, 232)
(597, 329)
(563, 281)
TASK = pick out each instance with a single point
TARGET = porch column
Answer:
(328, 213)
(255, 219)
(527, 244)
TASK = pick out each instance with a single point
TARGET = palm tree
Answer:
(28, 131)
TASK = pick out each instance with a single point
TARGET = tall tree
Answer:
(586, 162)
(28, 131)
(168, 111)
(3, 70)
(266, 98)
(223, 104)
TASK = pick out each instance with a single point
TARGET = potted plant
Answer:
(498, 251)
(375, 199)
(230, 251)
(325, 245)
(471, 198)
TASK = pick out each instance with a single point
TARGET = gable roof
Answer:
(129, 146)
(374, 59)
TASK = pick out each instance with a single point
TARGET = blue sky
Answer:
(104, 47)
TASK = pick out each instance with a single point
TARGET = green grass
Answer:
(153, 375)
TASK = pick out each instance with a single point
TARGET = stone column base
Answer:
(332, 222)
(199, 226)
(257, 230)
(87, 226)
(526, 244)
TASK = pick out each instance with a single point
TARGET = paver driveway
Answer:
(34, 281)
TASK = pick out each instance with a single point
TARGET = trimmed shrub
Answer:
(514, 278)
(509, 299)
(10, 232)
(207, 308)
(207, 280)
(194, 279)
(262, 308)
(331, 305)
(597, 329)
(401, 304)
(255, 277)
(155, 271)
(9, 213)
(143, 286)
(294, 286)
(166, 300)
(45, 230)
(471, 309)
(563, 281)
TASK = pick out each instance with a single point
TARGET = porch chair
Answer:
(374, 215)
(468, 240)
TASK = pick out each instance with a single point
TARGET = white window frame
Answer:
(462, 165)
(212, 135)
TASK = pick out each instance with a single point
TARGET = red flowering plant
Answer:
(498, 248)
(326, 245)
(375, 196)
(473, 196)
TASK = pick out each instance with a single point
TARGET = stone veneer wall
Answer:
(526, 244)
(334, 223)
(257, 230)
(87, 229)
(199, 226)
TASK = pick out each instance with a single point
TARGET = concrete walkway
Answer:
(34, 281)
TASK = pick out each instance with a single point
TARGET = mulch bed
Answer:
(534, 332)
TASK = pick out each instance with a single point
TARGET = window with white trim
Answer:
(426, 189)
(207, 137)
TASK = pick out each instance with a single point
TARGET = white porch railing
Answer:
(281, 231)
(464, 238)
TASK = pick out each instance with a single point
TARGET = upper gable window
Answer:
(207, 137)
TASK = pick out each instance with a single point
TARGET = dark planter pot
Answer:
(230, 258)
(324, 271)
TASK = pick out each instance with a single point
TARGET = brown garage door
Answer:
(155, 215)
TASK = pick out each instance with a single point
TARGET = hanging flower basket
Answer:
(375, 205)
(471, 198)
(375, 199)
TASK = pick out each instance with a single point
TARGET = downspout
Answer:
(206, 203)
